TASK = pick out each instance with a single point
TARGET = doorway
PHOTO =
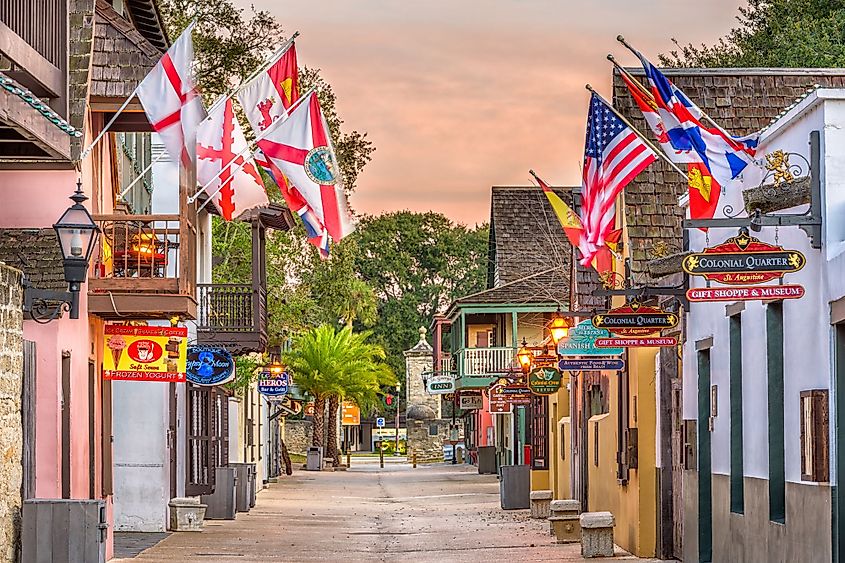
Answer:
(705, 509)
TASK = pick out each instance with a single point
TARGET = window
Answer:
(539, 432)
(737, 486)
(814, 431)
(433, 430)
(774, 355)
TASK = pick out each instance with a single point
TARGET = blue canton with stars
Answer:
(602, 126)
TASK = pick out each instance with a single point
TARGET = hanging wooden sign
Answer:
(517, 394)
(637, 342)
(498, 404)
(591, 364)
(743, 260)
(635, 319)
(544, 380)
(749, 293)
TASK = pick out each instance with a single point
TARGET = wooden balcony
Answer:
(145, 268)
(479, 367)
(232, 315)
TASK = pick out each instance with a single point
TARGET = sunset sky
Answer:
(461, 95)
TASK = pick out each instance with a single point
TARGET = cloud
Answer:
(460, 96)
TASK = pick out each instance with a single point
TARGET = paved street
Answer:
(438, 513)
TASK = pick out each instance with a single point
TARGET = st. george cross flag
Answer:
(299, 149)
(171, 100)
(233, 184)
(613, 156)
(726, 157)
(267, 97)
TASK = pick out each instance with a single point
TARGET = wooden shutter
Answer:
(815, 458)
(28, 420)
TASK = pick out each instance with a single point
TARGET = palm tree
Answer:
(330, 365)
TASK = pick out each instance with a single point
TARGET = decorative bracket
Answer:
(810, 221)
(44, 305)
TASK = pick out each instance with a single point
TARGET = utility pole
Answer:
(396, 449)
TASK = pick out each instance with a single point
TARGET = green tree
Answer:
(774, 33)
(417, 263)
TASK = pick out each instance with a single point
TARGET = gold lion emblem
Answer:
(778, 163)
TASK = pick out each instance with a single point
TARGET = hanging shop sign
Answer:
(471, 400)
(517, 394)
(288, 405)
(209, 365)
(582, 341)
(273, 384)
(498, 404)
(749, 293)
(743, 260)
(638, 342)
(591, 364)
(144, 353)
(544, 380)
(350, 414)
(440, 384)
(310, 409)
(635, 319)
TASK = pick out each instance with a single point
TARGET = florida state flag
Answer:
(233, 184)
(171, 100)
(300, 150)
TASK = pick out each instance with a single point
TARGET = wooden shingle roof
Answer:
(121, 57)
(35, 252)
(740, 100)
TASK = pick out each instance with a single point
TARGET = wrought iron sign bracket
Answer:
(810, 221)
(44, 305)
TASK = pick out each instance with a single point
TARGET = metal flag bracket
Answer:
(782, 173)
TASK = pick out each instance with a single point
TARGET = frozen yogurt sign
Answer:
(144, 353)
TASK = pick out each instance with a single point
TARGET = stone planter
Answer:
(565, 521)
(186, 514)
(597, 534)
(540, 503)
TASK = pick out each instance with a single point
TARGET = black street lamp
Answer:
(77, 235)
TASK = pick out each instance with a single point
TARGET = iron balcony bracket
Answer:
(810, 221)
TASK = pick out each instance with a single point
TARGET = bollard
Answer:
(380, 456)
(414, 459)
(348, 457)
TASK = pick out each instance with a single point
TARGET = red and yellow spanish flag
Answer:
(703, 192)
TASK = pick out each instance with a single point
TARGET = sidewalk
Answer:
(439, 513)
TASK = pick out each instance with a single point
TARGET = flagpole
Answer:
(105, 130)
(703, 113)
(648, 142)
(249, 147)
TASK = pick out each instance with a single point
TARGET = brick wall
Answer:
(11, 375)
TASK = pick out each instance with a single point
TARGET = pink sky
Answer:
(461, 95)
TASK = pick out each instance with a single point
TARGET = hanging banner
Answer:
(750, 293)
(544, 380)
(440, 384)
(591, 364)
(471, 400)
(635, 319)
(743, 260)
(144, 353)
(638, 342)
(350, 414)
(582, 342)
(209, 365)
(273, 384)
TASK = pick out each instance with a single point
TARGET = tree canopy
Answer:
(774, 33)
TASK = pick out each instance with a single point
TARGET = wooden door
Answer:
(200, 454)
(678, 454)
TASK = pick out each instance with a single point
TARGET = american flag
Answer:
(613, 156)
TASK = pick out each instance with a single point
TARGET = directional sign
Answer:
(748, 293)
(591, 364)
(635, 319)
(512, 394)
(637, 342)
(743, 260)
(380, 422)
(582, 342)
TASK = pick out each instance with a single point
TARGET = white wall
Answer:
(807, 330)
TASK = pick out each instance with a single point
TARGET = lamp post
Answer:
(77, 235)
(396, 448)
(559, 328)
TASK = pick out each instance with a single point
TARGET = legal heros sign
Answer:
(144, 353)
(273, 384)
(743, 260)
(635, 319)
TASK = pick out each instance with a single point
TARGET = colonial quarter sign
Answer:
(635, 319)
(743, 260)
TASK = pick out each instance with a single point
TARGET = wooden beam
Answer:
(25, 119)
(46, 74)
(100, 285)
(132, 306)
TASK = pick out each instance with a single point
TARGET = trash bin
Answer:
(314, 459)
(515, 487)
(221, 503)
(486, 460)
(242, 492)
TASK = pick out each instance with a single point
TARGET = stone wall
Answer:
(419, 360)
(298, 436)
(11, 430)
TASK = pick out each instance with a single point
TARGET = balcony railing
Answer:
(233, 315)
(447, 362)
(486, 362)
(41, 24)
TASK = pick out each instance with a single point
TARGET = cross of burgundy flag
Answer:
(299, 149)
(171, 100)
(236, 188)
